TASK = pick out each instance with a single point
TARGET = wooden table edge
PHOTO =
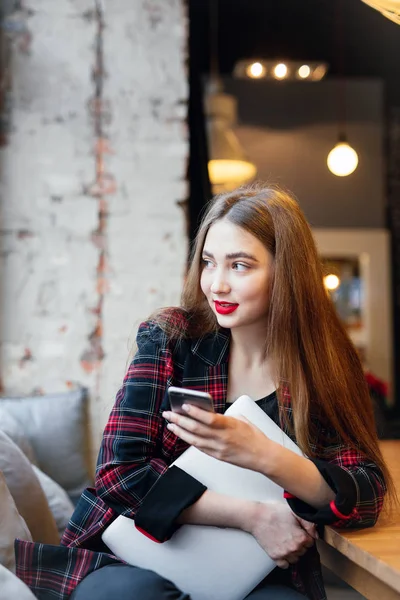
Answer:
(375, 566)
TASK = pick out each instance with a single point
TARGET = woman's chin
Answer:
(226, 321)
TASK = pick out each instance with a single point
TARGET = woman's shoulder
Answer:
(166, 326)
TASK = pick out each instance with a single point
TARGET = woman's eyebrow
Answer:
(233, 255)
(241, 254)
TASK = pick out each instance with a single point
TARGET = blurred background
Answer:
(119, 120)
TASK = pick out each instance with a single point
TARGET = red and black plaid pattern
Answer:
(137, 449)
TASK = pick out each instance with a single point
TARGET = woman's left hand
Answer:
(233, 440)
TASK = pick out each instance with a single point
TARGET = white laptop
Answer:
(209, 563)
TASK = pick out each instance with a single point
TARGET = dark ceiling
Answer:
(354, 39)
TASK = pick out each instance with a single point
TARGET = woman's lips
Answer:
(225, 308)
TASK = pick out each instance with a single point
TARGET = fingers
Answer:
(306, 541)
(195, 434)
(310, 528)
(301, 551)
(206, 445)
(293, 552)
(300, 546)
(303, 539)
(242, 418)
(188, 424)
(291, 559)
(203, 416)
(296, 550)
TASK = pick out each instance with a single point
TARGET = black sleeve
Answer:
(174, 491)
(342, 508)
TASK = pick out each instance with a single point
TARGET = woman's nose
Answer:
(220, 285)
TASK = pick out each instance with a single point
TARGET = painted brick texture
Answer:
(93, 237)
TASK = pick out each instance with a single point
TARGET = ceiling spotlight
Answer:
(255, 70)
(280, 71)
(262, 68)
(304, 71)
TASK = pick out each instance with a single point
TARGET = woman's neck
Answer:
(248, 345)
(250, 369)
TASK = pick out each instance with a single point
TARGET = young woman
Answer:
(255, 319)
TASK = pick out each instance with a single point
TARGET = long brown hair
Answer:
(312, 353)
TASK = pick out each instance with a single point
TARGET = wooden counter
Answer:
(369, 559)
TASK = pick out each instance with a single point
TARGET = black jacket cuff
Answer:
(174, 491)
(339, 509)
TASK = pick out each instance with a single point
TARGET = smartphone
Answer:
(179, 396)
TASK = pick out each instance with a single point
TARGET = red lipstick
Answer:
(225, 308)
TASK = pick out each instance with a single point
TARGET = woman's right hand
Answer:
(280, 533)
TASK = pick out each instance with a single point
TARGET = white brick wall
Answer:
(49, 261)
(147, 89)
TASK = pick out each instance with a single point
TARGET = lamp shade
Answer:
(228, 166)
(389, 8)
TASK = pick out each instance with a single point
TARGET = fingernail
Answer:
(186, 407)
(170, 427)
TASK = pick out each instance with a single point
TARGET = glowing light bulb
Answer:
(304, 71)
(255, 70)
(342, 160)
(280, 71)
(331, 281)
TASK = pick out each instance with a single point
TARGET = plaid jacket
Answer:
(133, 463)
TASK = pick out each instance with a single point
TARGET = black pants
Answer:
(124, 582)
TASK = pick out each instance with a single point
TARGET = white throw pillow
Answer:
(12, 525)
(27, 493)
(12, 588)
(57, 498)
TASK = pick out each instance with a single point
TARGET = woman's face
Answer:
(236, 275)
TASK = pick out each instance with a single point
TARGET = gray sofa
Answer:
(43, 469)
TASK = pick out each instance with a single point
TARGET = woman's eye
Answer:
(239, 267)
(206, 263)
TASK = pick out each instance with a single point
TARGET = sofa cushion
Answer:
(10, 426)
(55, 426)
(12, 588)
(57, 498)
(27, 493)
(12, 525)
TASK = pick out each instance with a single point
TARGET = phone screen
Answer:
(179, 396)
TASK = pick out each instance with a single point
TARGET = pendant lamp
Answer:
(342, 160)
(389, 8)
(228, 165)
